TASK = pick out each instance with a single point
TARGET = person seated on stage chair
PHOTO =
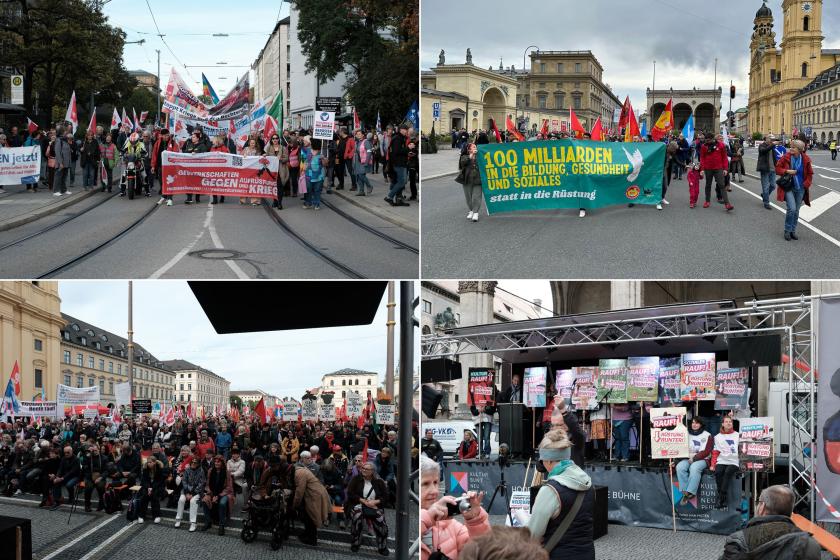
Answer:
(690, 471)
(772, 533)
(468, 449)
(567, 487)
(725, 460)
(502, 543)
(439, 533)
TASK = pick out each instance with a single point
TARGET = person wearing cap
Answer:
(766, 168)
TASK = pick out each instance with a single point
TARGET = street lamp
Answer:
(523, 69)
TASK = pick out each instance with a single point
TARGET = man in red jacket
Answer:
(349, 150)
(715, 164)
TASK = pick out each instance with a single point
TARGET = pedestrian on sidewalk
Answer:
(470, 178)
(694, 177)
(90, 156)
(63, 161)
(715, 165)
(832, 146)
(349, 148)
(413, 166)
(766, 168)
(397, 161)
(110, 156)
(362, 158)
(797, 164)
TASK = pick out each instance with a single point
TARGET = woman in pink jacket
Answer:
(438, 531)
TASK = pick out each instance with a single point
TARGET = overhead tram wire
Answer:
(162, 40)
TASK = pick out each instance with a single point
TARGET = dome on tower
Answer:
(764, 11)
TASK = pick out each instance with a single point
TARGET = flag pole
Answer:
(653, 96)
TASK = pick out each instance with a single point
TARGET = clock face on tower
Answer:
(806, 7)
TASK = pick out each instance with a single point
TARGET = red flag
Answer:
(496, 131)
(92, 123)
(232, 130)
(189, 411)
(136, 124)
(170, 417)
(203, 417)
(72, 117)
(115, 119)
(512, 129)
(356, 122)
(125, 119)
(31, 126)
(632, 128)
(597, 133)
(261, 410)
(544, 130)
(365, 452)
(577, 128)
(143, 115)
(360, 421)
(664, 124)
(16, 378)
(625, 113)
(270, 128)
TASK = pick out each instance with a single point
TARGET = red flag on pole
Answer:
(16, 378)
(544, 130)
(92, 123)
(136, 125)
(496, 131)
(356, 122)
(31, 126)
(189, 411)
(577, 128)
(143, 115)
(115, 119)
(664, 124)
(632, 128)
(512, 129)
(597, 133)
(125, 119)
(625, 113)
(72, 117)
(270, 128)
(365, 452)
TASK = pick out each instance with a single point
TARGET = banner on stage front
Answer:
(669, 381)
(480, 391)
(564, 383)
(385, 414)
(642, 378)
(668, 434)
(323, 124)
(70, 396)
(221, 174)
(732, 389)
(309, 410)
(546, 175)
(755, 444)
(827, 458)
(38, 409)
(534, 386)
(585, 393)
(20, 165)
(612, 380)
(326, 412)
(697, 377)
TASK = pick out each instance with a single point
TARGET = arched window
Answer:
(804, 69)
(806, 23)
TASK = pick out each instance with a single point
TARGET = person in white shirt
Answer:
(690, 471)
(236, 468)
(725, 460)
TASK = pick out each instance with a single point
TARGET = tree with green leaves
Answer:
(236, 402)
(61, 46)
(374, 42)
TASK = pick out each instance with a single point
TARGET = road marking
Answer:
(818, 206)
(818, 231)
(826, 168)
(84, 535)
(183, 252)
(218, 243)
(107, 541)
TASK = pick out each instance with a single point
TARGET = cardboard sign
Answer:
(697, 377)
(480, 392)
(564, 383)
(141, 406)
(612, 381)
(534, 386)
(385, 414)
(755, 444)
(668, 434)
(323, 123)
(326, 412)
(643, 378)
(37, 409)
(585, 394)
(354, 405)
(309, 410)
(732, 389)
(520, 507)
(669, 381)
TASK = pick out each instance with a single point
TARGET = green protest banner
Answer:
(569, 174)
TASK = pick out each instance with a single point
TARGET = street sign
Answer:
(141, 406)
(17, 90)
(323, 123)
(730, 113)
(332, 104)
(808, 131)
(436, 111)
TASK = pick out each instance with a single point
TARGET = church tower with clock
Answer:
(777, 73)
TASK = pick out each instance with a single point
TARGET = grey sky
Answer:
(625, 35)
(188, 26)
(169, 323)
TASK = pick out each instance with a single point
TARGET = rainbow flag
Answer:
(208, 89)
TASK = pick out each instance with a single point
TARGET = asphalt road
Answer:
(205, 241)
(640, 242)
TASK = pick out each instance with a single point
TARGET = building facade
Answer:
(199, 386)
(742, 122)
(272, 68)
(93, 356)
(30, 322)
(340, 382)
(307, 86)
(704, 104)
(815, 107)
(252, 396)
(778, 74)
(145, 79)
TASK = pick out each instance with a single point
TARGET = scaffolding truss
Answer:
(792, 317)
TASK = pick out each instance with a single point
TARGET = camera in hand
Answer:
(460, 506)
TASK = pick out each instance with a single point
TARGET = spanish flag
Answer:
(665, 124)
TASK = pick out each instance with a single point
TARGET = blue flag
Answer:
(688, 129)
(10, 402)
(378, 124)
(412, 117)
(643, 131)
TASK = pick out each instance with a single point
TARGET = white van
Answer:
(450, 434)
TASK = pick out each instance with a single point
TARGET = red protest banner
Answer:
(220, 173)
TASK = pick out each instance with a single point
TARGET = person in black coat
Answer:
(152, 482)
(129, 465)
(398, 160)
(67, 476)
(94, 471)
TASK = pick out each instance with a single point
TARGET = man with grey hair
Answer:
(771, 534)
(306, 461)
(766, 168)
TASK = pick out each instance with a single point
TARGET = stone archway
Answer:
(495, 107)
(822, 138)
(830, 136)
(682, 111)
(704, 118)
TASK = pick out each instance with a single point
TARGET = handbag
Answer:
(302, 184)
(785, 182)
(369, 512)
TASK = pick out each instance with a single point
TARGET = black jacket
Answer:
(68, 468)
(469, 169)
(765, 158)
(398, 149)
(432, 449)
(355, 491)
(771, 537)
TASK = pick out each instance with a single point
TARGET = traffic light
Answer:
(732, 121)
(731, 92)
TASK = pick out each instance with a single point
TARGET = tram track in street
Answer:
(369, 229)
